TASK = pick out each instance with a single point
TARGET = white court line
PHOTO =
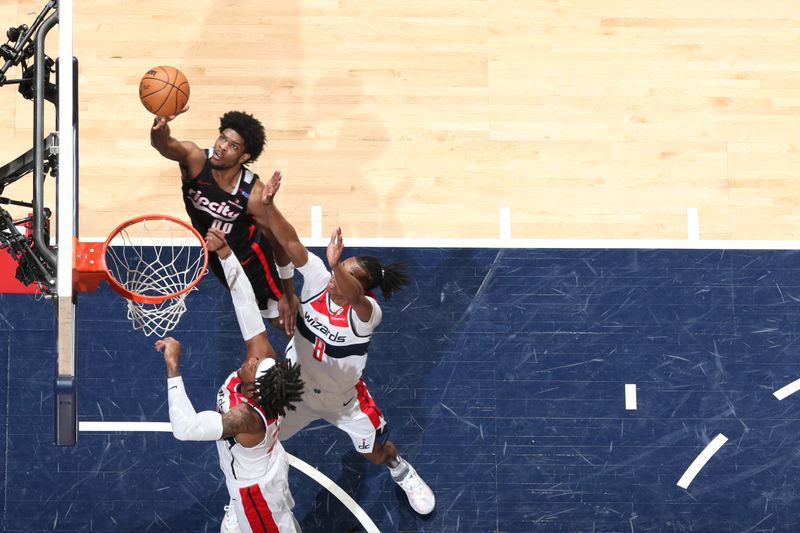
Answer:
(693, 223)
(324, 481)
(505, 223)
(337, 491)
(701, 460)
(787, 390)
(316, 222)
(586, 244)
(630, 396)
(125, 426)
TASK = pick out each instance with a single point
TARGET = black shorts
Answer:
(263, 276)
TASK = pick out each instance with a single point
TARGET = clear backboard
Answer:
(66, 427)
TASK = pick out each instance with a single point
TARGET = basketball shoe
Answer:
(419, 494)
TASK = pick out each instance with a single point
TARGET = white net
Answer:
(157, 319)
(155, 260)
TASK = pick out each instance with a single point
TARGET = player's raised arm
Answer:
(288, 303)
(186, 153)
(349, 287)
(245, 305)
(187, 424)
(283, 231)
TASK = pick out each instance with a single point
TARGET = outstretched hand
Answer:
(215, 242)
(172, 354)
(335, 247)
(288, 306)
(271, 188)
(160, 122)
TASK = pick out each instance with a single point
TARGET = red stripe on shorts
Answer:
(267, 273)
(367, 404)
(256, 509)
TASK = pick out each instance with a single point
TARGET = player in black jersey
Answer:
(219, 191)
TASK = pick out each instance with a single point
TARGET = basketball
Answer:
(164, 90)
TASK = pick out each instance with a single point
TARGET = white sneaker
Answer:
(420, 495)
(229, 522)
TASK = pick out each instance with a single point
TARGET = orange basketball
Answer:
(164, 90)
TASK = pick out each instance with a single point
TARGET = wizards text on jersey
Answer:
(330, 332)
(333, 336)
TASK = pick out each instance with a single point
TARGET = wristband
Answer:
(286, 271)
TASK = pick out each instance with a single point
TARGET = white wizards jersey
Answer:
(244, 466)
(330, 342)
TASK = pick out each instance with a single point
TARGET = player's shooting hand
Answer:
(215, 241)
(288, 306)
(271, 188)
(172, 354)
(160, 122)
(335, 248)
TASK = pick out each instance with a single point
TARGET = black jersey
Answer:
(209, 206)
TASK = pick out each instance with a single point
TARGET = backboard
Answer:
(38, 258)
(66, 427)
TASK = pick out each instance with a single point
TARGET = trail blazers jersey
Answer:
(330, 342)
(244, 466)
(209, 206)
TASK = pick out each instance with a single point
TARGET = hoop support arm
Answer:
(89, 266)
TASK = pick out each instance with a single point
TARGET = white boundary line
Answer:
(316, 221)
(323, 480)
(701, 460)
(787, 390)
(632, 244)
(630, 396)
(693, 222)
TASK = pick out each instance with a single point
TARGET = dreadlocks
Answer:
(279, 389)
(388, 277)
(249, 127)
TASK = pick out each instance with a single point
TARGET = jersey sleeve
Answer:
(315, 277)
(365, 328)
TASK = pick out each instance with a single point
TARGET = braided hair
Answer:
(249, 127)
(388, 277)
(279, 389)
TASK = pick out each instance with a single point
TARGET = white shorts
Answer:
(353, 411)
(272, 309)
(266, 505)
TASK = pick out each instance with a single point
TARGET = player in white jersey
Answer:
(330, 343)
(245, 424)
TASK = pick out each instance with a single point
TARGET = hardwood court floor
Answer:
(417, 119)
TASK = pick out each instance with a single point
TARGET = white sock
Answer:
(399, 471)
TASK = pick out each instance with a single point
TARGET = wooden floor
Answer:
(423, 119)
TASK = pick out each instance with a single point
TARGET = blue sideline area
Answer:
(502, 374)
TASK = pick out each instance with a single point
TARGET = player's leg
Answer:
(419, 494)
(230, 524)
(267, 505)
(364, 422)
(257, 510)
(298, 418)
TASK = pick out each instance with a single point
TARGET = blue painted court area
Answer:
(502, 374)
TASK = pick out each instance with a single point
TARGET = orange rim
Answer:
(142, 298)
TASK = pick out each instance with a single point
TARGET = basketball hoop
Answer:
(160, 260)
